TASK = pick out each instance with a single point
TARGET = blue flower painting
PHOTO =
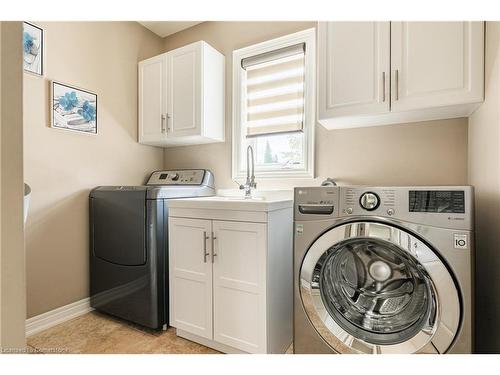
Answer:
(32, 48)
(73, 109)
(28, 42)
(87, 111)
(68, 101)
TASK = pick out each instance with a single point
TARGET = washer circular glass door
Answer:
(370, 287)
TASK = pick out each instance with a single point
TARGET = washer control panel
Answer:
(358, 200)
(441, 206)
(177, 177)
(448, 207)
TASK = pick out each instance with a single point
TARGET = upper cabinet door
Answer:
(184, 91)
(190, 268)
(152, 99)
(240, 285)
(353, 68)
(436, 64)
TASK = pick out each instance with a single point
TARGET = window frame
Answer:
(308, 37)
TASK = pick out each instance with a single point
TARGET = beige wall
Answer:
(62, 166)
(420, 153)
(12, 266)
(484, 174)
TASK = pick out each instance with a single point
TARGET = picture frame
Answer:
(33, 49)
(73, 108)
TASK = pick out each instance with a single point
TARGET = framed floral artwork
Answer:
(33, 48)
(73, 108)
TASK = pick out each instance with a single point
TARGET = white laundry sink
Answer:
(223, 198)
(235, 200)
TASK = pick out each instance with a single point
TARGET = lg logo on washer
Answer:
(460, 241)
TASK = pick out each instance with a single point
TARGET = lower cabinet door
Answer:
(239, 275)
(191, 276)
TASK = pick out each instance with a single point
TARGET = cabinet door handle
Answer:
(396, 78)
(383, 87)
(205, 254)
(163, 118)
(214, 254)
(168, 127)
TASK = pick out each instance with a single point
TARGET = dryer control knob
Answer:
(369, 201)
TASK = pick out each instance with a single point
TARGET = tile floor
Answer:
(96, 333)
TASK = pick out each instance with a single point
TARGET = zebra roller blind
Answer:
(275, 91)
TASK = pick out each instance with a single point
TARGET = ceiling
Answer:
(165, 28)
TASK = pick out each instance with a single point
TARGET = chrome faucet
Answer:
(250, 182)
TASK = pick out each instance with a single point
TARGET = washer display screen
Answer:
(440, 201)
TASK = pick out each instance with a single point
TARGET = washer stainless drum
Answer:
(383, 270)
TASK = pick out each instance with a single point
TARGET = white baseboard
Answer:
(57, 316)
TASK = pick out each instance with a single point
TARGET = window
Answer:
(273, 106)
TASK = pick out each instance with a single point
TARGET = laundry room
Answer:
(285, 185)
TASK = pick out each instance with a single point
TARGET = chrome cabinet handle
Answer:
(383, 87)
(396, 78)
(205, 254)
(163, 118)
(214, 254)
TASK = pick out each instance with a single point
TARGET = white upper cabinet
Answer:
(377, 73)
(437, 64)
(354, 69)
(184, 104)
(184, 92)
(152, 99)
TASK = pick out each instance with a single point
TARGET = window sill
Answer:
(277, 175)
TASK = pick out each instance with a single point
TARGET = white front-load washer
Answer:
(383, 269)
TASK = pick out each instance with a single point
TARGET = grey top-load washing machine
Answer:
(383, 269)
(129, 244)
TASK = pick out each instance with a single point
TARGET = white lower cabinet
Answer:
(223, 293)
(191, 276)
(239, 279)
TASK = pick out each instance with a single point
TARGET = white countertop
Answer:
(234, 200)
